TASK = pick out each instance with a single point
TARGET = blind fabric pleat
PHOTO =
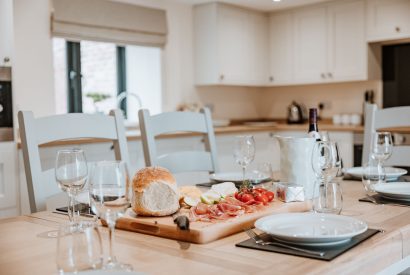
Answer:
(106, 21)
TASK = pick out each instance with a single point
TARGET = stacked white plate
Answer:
(394, 190)
(311, 229)
(392, 173)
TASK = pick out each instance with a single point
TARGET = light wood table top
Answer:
(24, 252)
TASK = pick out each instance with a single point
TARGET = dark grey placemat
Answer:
(330, 252)
(381, 200)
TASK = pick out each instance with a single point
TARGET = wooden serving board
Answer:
(202, 232)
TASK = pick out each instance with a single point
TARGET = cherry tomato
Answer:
(237, 195)
(262, 198)
(260, 190)
(270, 195)
(247, 197)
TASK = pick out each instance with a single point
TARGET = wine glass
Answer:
(381, 149)
(373, 173)
(326, 163)
(244, 152)
(79, 247)
(109, 197)
(71, 174)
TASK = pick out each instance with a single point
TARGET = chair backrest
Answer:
(171, 122)
(386, 118)
(37, 131)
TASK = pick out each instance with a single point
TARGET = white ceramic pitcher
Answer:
(296, 162)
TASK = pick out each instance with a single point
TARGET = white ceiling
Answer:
(263, 5)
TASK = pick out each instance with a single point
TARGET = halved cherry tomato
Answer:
(270, 195)
(262, 198)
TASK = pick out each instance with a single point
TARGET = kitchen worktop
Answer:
(134, 133)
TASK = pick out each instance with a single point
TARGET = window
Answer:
(89, 77)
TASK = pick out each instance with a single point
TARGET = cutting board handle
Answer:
(144, 228)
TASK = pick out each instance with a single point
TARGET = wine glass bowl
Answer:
(71, 173)
(244, 152)
(382, 146)
(326, 160)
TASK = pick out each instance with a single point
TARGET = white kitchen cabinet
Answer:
(388, 20)
(330, 43)
(6, 31)
(347, 49)
(230, 45)
(8, 180)
(310, 40)
(281, 48)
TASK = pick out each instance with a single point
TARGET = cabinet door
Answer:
(281, 48)
(388, 19)
(233, 44)
(6, 28)
(347, 51)
(258, 48)
(310, 45)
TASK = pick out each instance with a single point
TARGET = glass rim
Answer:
(383, 132)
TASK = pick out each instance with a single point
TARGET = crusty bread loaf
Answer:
(155, 192)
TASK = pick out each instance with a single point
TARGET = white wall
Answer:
(6, 31)
(32, 71)
(338, 98)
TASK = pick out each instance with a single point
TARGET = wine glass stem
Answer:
(243, 174)
(111, 229)
(71, 207)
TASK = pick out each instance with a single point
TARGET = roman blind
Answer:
(108, 21)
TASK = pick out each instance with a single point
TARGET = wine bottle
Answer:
(313, 129)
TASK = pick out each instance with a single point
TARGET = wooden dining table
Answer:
(25, 250)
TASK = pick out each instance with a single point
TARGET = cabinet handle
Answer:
(271, 78)
(329, 74)
(323, 75)
(397, 29)
(221, 77)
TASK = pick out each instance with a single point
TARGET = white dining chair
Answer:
(171, 122)
(37, 131)
(377, 119)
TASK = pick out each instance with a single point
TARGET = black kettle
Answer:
(295, 113)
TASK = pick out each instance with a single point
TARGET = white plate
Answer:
(392, 173)
(311, 229)
(394, 190)
(237, 177)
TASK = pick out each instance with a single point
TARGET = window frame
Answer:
(74, 77)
